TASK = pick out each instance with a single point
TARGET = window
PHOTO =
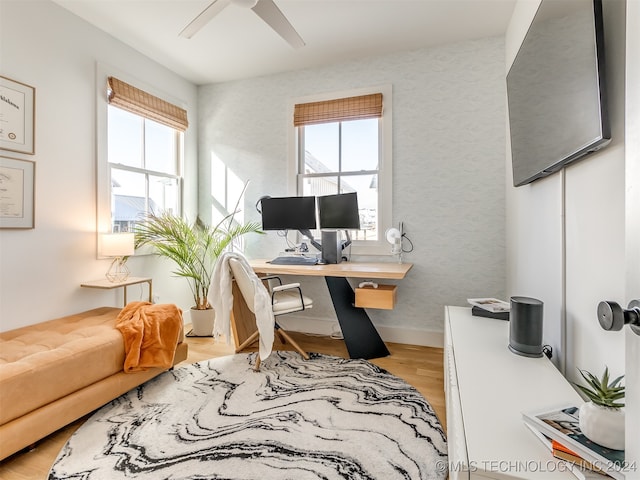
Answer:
(144, 162)
(143, 156)
(343, 146)
(343, 157)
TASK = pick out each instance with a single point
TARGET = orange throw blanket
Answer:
(150, 334)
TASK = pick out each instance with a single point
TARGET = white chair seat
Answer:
(289, 301)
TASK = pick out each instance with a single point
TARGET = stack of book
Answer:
(489, 307)
(558, 428)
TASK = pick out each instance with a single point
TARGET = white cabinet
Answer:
(487, 387)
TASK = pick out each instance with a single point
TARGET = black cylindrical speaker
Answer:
(525, 326)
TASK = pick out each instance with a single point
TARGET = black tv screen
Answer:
(288, 213)
(556, 90)
(339, 211)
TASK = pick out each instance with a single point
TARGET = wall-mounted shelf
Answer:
(108, 285)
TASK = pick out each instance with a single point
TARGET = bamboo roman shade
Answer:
(341, 109)
(134, 100)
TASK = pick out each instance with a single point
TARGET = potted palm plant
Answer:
(194, 248)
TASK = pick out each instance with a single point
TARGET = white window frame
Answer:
(103, 167)
(147, 172)
(385, 177)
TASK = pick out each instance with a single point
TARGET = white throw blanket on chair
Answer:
(221, 298)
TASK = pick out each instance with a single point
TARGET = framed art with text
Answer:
(17, 191)
(17, 116)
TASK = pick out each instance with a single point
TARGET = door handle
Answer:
(613, 317)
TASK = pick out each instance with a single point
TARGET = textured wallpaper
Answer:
(448, 166)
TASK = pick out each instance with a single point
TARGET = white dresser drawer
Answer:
(456, 442)
(487, 387)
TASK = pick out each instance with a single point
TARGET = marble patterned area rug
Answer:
(324, 418)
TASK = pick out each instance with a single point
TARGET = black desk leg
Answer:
(360, 336)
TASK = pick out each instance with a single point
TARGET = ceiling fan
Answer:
(267, 10)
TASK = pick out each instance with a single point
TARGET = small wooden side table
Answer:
(108, 285)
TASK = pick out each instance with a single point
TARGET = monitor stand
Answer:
(307, 233)
(331, 247)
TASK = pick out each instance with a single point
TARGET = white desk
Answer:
(486, 388)
(108, 285)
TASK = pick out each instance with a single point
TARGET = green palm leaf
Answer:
(193, 247)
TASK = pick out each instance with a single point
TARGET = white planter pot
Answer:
(603, 425)
(202, 322)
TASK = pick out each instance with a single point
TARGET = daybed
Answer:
(55, 372)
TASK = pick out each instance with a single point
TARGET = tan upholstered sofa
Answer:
(55, 372)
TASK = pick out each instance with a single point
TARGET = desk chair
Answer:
(284, 299)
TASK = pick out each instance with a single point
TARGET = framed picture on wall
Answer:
(17, 116)
(17, 191)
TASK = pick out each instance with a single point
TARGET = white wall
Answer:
(595, 224)
(56, 52)
(448, 169)
(565, 233)
(534, 225)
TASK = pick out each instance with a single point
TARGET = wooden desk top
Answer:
(366, 270)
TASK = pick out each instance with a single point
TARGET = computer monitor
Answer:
(339, 211)
(288, 213)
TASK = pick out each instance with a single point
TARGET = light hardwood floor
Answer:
(418, 366)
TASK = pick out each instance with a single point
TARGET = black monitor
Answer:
(339, 211)
(288, 213)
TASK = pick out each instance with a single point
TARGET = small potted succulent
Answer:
(602, 416)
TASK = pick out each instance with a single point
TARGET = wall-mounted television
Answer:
(556, 90)
(288, 213)
(339, 211)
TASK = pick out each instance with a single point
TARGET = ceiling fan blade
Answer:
(268, 11)
(205, 16)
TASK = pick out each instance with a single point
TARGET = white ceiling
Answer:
(238, 44)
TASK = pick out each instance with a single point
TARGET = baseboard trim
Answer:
(411, 336)
(407, 336)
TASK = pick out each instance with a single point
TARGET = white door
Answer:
(632, 199)
(632, 426)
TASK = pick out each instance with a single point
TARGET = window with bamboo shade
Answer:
(344, 145)
(144, 153)
(139, 102)
(338, 110)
